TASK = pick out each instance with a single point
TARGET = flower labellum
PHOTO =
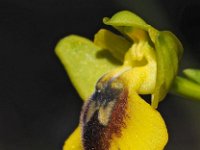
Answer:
(104, 114)
(109, 118)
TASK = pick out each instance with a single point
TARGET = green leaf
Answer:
(84, 62)
(193, 74)
(116, 44)
(168, 53)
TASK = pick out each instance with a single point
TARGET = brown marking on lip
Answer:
(98, 137)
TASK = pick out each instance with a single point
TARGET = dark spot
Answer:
(98, 137)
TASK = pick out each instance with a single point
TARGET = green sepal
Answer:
(84, 62)
(126, 18)
(168, 54)
(126, 21)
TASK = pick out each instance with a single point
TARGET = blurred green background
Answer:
(39, 107)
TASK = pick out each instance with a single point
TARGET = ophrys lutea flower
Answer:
(111, 74)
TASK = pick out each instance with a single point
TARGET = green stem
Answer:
(186, 88)
(192, 74)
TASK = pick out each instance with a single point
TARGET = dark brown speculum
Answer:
(103, 116)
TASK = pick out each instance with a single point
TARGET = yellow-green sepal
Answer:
(126, 18)
(84, 62)
(126, 21)
(168, 54)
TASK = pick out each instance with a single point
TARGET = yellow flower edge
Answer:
(145, 129)
(74, 141)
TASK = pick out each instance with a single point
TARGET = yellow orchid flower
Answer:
(111, 74)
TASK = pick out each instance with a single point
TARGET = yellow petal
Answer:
(116, 44)
(74, 141)
(145, 128)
